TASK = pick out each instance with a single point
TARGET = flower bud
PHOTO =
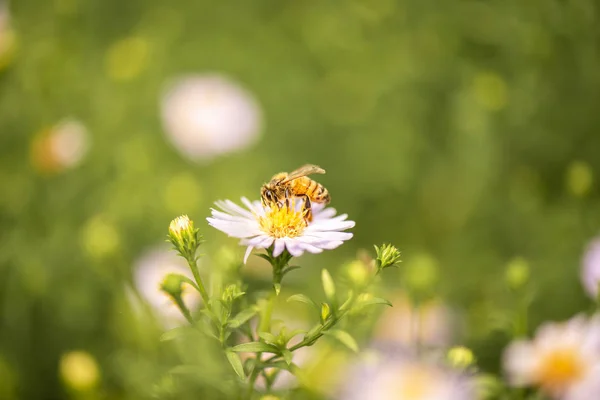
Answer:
(460, 357)
(184, 236)
(517, 273)
(387, 256)
(231, 293)
(172, 285)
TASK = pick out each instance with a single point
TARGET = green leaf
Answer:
(290, 269)
(174, 333)
(236, 363)
(302, 299)
(265, 256)
(375, 300)
(268, 337)
(255, 347)
(328, 285)
(343, 337)
(287, 356)
(242, 317)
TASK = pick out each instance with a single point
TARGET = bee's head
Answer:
(268, 194)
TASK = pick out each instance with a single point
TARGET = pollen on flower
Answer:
(279, 222)
(559, 369)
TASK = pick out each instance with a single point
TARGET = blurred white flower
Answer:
(208, 115)
(389, 375)
(431, 325)
(62, 146)
(150, 270)
(69, 142)
(590, 271)
(560, 360)
(283, 228)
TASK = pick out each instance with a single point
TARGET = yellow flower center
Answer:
(559, 369)
(283, 222)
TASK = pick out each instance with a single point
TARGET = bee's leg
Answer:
(307, 208)
(287, 198)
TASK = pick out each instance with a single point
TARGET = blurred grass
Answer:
(463, 130)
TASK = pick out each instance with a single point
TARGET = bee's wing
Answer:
(304, 170)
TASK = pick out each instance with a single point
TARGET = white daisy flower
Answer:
(283, 228)
(389, 374)
(432, 324)
(559, 360)
(590, 271)
(205, 116)
(150, 270)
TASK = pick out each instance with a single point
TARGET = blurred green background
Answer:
(466, 133)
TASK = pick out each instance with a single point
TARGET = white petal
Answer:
(520, 360)
(333, 235)
(254, 207)
(228, 217)
(248, 251)
(324, 214)
(310, 248)
(234, 229)
(329, 244)
(331, 225)
(293, 247)
(232, 208)
(279, 247)
(262, 241)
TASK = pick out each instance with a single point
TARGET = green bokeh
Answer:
(463, 132)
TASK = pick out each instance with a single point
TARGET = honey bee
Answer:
(284, 186)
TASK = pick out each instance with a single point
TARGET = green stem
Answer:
(184, 310)
(277, 263)
(200, 285)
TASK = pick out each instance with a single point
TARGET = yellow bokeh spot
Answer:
(517, 272)
(126, 58)
(417, 383)
(490, 91)
(100, 238)
(357, 271)
(182, 193)
(79, 370)
(283, 221)
(579, 178)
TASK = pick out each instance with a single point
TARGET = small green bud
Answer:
(184, 236)
(387, 256)
(231, 293)
(460, 357)
(517, 273)
(172, 285)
